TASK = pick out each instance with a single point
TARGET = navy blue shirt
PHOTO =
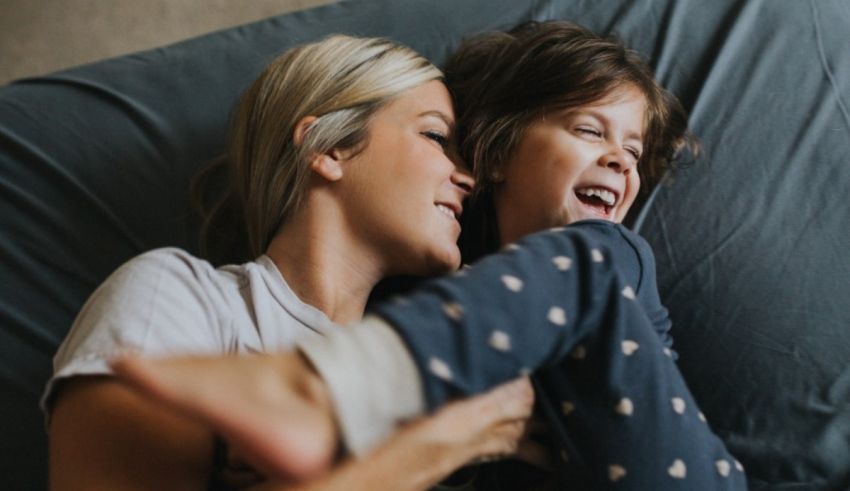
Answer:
(579, 262)
(578, 309)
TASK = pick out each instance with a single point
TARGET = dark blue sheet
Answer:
(751, 238)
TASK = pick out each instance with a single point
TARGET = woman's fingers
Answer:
(514, 399)
(510, 401)
(534, 453)
(488, 425)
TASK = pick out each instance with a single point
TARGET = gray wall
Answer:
(41, 36)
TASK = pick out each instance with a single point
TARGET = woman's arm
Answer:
(425, 451)
(243, 394)
(103, 435)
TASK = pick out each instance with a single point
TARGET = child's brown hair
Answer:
(503, 81)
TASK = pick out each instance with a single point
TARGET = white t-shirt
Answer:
(168, 302)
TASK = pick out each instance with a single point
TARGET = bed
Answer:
(751, 236)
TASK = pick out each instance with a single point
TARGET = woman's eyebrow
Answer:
(440, 115)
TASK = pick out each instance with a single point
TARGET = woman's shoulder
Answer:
(165, 298)
(160, 302)
(172, 260)
(173, 264)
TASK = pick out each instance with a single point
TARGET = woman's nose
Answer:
(462, 178)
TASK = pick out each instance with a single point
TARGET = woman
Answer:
(339, 168)
(558, 124)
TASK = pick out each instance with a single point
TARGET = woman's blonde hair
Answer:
(343, 81)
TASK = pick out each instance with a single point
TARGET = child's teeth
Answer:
(603, 194)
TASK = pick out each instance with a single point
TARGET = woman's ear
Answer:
(326, 164)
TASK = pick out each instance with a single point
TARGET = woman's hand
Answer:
(276, 410)
(484, 427)
(425, 451)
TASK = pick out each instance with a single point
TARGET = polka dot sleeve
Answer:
(514, 312)
(578, 309)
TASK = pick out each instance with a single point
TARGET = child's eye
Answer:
(437, 137)
(635, 153)
(589, 131)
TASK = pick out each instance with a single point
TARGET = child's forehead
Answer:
(620, 93)
(630, 98)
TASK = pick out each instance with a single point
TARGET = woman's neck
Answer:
(324, 268)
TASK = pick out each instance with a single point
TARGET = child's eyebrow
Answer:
(631, 135)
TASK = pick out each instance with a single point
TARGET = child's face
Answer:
(574, 165)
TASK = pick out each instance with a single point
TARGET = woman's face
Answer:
(405, 192)
(573, 165)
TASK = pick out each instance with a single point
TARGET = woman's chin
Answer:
(443, 261)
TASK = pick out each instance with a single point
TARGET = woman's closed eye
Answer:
(437, 137)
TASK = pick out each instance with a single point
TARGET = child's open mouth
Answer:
(600, 199)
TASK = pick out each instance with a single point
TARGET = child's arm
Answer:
(511, 313)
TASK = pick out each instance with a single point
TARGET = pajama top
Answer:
(578, 308)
